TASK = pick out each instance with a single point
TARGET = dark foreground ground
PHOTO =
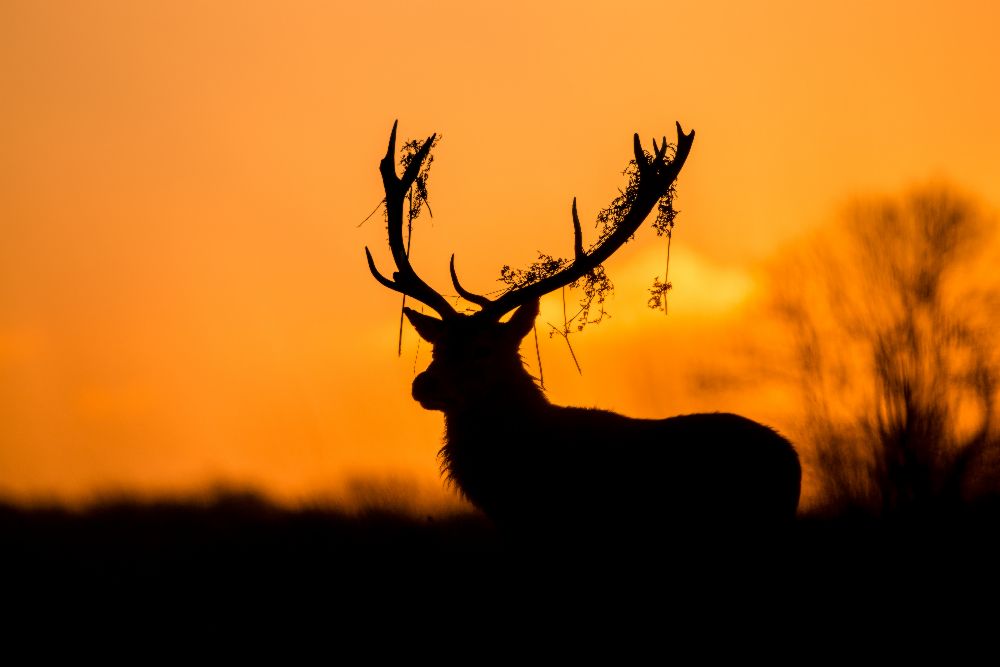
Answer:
(238, 551)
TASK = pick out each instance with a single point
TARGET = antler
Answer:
(655, 176)
(404, 280)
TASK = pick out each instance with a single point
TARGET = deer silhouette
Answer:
(531, 465)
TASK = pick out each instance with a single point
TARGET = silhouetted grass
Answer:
(234, 531)
(241, 539)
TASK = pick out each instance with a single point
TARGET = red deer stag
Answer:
(531, 465)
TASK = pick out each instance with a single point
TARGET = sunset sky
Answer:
(184, 298)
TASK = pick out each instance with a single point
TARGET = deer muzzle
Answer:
(427, 391)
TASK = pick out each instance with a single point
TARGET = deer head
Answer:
(475, 360)
(476, 355)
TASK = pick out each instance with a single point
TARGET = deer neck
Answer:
(515, 397)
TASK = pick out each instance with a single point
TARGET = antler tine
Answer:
(477, 299)
(404, 280)
(577, 234)
(655, 176)
(483, 301)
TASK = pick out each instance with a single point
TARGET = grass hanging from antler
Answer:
(565, 332)
(664, 226)
(538, 356)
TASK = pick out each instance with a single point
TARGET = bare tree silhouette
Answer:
(894, 354)
(532, 466)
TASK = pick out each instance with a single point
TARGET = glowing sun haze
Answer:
(184, 297)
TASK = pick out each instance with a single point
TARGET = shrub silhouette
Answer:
(893, 350)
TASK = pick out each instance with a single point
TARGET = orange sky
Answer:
(183, 291)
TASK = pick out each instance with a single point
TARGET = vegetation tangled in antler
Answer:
(596, 284)
(417, 193)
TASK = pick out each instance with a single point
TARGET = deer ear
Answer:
(428, 327)
(523, 319)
